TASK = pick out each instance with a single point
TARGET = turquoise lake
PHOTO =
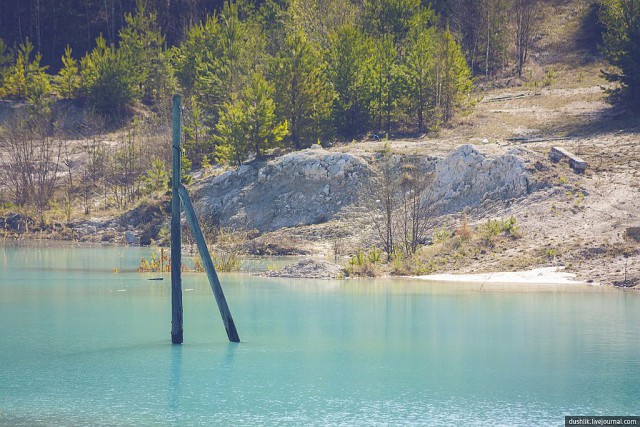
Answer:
(83, 345)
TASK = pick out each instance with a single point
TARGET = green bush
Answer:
(26, 78)
(226, 261)
(510, 228)
(365, 263)
(375, 255)
(68, 79)
(494, 227)
(358, 259)
(108, 79)
(157, 178)
(441, 235)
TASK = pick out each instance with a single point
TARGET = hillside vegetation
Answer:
(261, 81)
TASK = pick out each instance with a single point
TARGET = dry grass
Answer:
(451, 250)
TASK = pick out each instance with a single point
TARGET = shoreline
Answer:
(536, 276)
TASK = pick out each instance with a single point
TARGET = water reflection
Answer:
(225, 370)
(74, 351)
(175, 378)
(212, 376)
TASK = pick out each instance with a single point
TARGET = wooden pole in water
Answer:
(176, 237)
(214, 282)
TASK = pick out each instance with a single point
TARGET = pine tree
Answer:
(385, 77)
(621, 18)
(157, 178)
(200, 39)
(455, 84)
(235, 63)
(198, 65)
(108, 79)
(231, 132)
(26, 78)
(213, 64)
(142, 46)
(15, 77)
(5, 61)
(248, 126)
(68, 79)
(351, 73)
(263, 130)
(418, 72)
(198, 62)
(303, 93)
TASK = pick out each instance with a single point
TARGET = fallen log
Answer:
(510, 97)
(527, 140)
(576, 163)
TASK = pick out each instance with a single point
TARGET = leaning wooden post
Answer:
(176, 237)
(214, 282)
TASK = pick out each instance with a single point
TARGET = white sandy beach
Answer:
(545, 275)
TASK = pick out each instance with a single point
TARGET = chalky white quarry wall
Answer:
(314, 185)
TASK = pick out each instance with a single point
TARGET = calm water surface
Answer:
(82, 345)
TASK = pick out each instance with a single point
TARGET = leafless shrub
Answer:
(30, 159)
(396, 203)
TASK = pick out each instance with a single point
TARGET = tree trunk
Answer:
(486, 59)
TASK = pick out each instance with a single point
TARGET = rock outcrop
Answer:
(309, 269)
(300, 188)
(468, 178)
(314, 185)
(17, 223)
(139, 226)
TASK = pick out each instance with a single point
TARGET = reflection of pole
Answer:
(192, 219)
(176, 238)
(175, 378)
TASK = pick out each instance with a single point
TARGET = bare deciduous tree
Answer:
(526, 13)
(396, 202)
(413, 211)
(31, 159)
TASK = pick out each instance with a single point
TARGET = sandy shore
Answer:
(545, 275)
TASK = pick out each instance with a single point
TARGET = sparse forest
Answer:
(254, 75)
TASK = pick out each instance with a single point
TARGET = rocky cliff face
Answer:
(301, 188)
(467, 178)
(315, 185)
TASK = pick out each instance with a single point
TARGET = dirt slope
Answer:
(585, 222)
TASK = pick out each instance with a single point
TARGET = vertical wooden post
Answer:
(179, 193)
(176, 237)
(214, 282)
